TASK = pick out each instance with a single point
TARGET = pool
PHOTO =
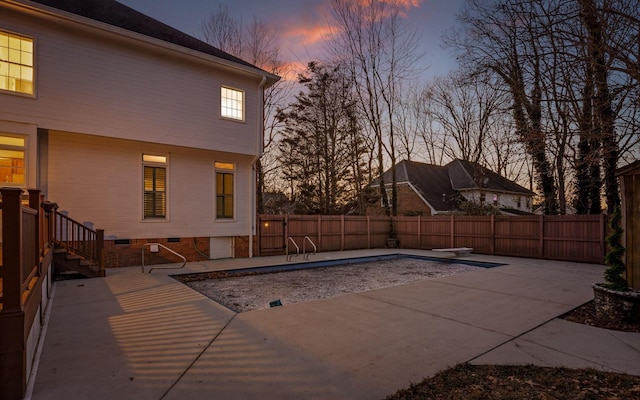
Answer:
(249, 289)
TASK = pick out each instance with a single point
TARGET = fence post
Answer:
(368, 232)
(493, 234)
(541, 241)
(603, 239)
(419, 235)
(342, 228)
(453, 240)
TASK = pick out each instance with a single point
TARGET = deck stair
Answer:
(69, 265)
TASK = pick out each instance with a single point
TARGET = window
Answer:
(224, 189)
(155, 186)
(16, 63)
(12, 166)
(232, 103)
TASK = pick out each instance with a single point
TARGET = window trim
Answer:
(33, 66)
(157, 164)
(25, 158)
(229, 168)
(242, 100)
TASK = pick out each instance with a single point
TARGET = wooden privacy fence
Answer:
(556, 237)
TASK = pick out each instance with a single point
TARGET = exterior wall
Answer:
(409, 203)
(103, 97)
(99, 182)
(98, 82)
(192, 248)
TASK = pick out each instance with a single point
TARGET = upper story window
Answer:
(16, 63)
(232, 103)
(12, 166)
(155, 186)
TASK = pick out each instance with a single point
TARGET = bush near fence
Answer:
(557, 237)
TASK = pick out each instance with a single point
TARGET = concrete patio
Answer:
(146, 336)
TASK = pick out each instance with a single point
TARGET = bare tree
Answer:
(379, 52)
(257, 43)
(501, 37)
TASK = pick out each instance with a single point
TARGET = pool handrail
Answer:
(184, 260)
(287, 248)
(305, 255)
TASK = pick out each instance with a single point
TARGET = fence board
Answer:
(576, 237)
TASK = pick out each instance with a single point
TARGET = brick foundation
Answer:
(130, 254)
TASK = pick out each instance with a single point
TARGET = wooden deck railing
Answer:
(29, 232)
(26, 262)
(77, 237)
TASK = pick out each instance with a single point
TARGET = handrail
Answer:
(164, 247)
(77, 237)
(287, 248)
(305, 256)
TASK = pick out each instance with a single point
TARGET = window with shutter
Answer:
(155, 187)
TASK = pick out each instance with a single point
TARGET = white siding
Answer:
(99, 181)
(100, 83)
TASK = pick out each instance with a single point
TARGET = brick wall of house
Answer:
(409, 203)
(130, 254)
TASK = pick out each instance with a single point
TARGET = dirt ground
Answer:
(257, 291)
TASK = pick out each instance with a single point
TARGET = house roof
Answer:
(467, 175)
(440, 185)
(430, 181)
(629, 169)
(116, 14)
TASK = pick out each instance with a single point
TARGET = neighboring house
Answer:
(425, 189)
(130, 125)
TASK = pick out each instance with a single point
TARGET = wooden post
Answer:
(341, 232)
(368, 232)
(493, 234)
(419, 235)
(12, 318)
(453, 240)
(34, 203)
(100, 251)
(541, 240)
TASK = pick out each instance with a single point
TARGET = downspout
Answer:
(259, 147)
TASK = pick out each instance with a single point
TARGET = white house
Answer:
(130, 125)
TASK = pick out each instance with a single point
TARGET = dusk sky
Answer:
(303, 21)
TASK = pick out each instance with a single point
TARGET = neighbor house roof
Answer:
(430, 181)
(467, 175)
(440, 185)
(116, 14)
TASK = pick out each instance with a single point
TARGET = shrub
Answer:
(613, 274)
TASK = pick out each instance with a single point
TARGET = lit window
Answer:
(224, 189)
(12, 166)
(16, 63)
(155, 186)
(232, 103)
